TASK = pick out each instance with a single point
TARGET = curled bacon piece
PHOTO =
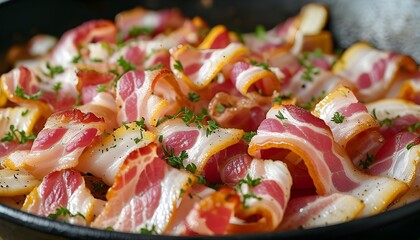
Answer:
(60, 143)
(372, 71)
(62, 195)
(351, 123)
(293, 128)
(144, 193)
(147, 94)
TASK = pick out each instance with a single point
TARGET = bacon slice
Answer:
(62, 189)
(290, 127)
(60, 143)
(395, 115)
(247, 77)
(151, 22)
(239, 112)
(89, 32)
(197, 67)
(15, 183)
(196, 142)
(145, 193)
(103, 105)
(147, 94)
(105, 158)
(318, 211)
(357, 123)
(217, 38)
(398, 158)
(228, 211)
(372, 71)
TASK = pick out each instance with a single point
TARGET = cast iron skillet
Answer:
(385, 24)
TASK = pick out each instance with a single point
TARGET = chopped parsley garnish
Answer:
(338, 117)
(24, 113)
(212, 125)
(193, 97)
(247, 196)
(248, 136)
(191, 168)
(414, 127)
(18, 135)
(147, 230)
(63, 212)
(309, 69)
(364, 164)
(249, 181)
(260, 64)
(100, 88)
(176, 161)
(280, 116)
(410, 145)
(136, 31)
(260, 32)
(279, 99)
(240, 36)
(53, 70)
(141, 123)
(76, 59)
(57, 87)
(126, 67)
(220, 108)
(19, 92)
(178, 66)
(97, 60)
(318, 53)
(386, 121)
(155, 67)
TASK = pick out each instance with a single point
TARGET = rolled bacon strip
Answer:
(144, 194)
(61, 142)
(62, 196)
(229, 211)
(198, 67)
(147, 94)
(350, 122)
(372, 71)
(293, 128)
(197, 143)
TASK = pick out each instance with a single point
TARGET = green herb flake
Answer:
(176, 161)
(100, 88)
(147, 230)
(76, 59)
(220, 108)
(18, 135)
(193, 97)
(337, 118)
(364, 164)
(57, 87)
(249, 181)
(260, 32)
(248, 136)
(136, 31)
(53, 70)
(410, 145)
(279, 99)
(192, 168)
(280, 116)
(178, 66)
(414, 127)
(24, 113)
(20, 93)
(63, 212)
(265, 66)
(155, 67)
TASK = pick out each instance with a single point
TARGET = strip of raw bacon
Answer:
(217, 38)
(198, 67)
(197, 143)
(395, 115)
(145, 193)
(310, 88)
(318, 211)
(91, 80)
(15, 183)
(239, 112)
(62, 140)
(372, 71)
(103, 105)
(147, 94)
(355, 127)
(63, 189)
(293, 128)
(104, 158)
(229, 211)
(12, 154)
(247, 77)
(89, 32)
(397, 158)
(148, 22)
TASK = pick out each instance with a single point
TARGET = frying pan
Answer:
(386, 24)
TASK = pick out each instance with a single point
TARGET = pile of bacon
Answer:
(159, 124)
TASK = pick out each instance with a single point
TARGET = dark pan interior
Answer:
(387, 24)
